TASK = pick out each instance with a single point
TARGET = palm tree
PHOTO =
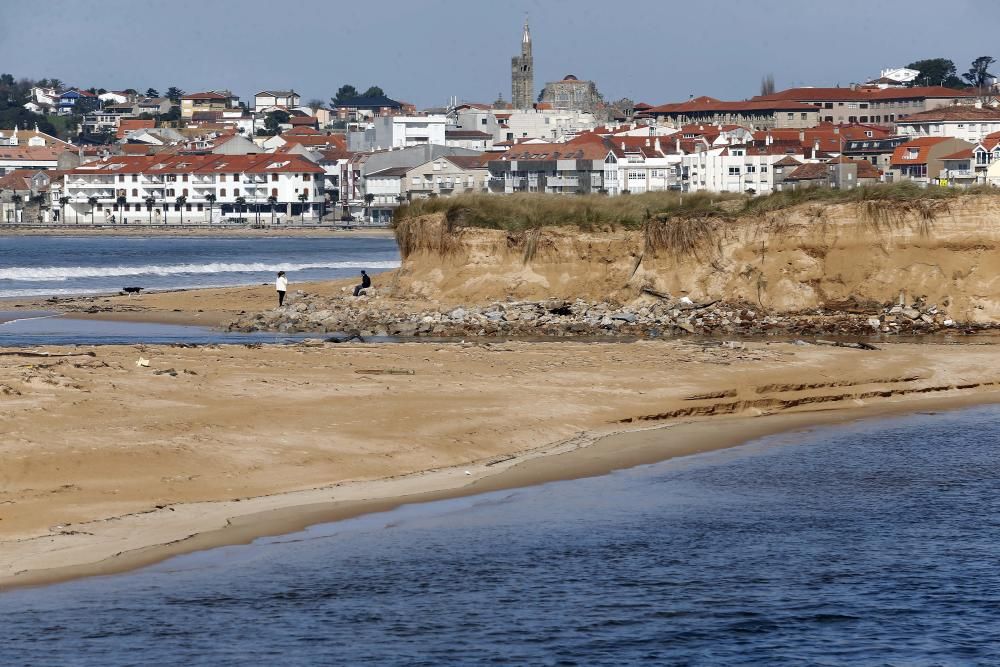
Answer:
(369, 198)
(150, 203)
(210, 198)
(302, 209)
(93, 202)
(62, 208)
(17, 199)
(241, 203)
(180, 206)
(121, 205)
(272, 200)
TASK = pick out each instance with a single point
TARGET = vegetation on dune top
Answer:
(520, 212)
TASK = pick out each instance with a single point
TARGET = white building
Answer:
(544, 124)
(969, 123)
(390, 132)
(285, 99)
(732, 169)
(146, 188)
(642, 164)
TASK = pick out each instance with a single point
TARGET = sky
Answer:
(653, 51)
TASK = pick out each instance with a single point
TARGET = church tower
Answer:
(522, 74)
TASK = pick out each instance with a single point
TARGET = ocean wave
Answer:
(61, 273)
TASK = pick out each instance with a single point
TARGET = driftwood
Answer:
(384, 371)
(653, 292)
(853, 346)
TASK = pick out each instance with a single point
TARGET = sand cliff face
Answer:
(786, 261)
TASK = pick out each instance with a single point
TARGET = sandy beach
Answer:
(110, 465)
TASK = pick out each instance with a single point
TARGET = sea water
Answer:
(59, 266)
(876, 543)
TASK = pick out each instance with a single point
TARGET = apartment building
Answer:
(447, 175)
(388, 132)
(174, 188)
(756, 114)
(871, 104)
(922, 160)
(969, 123)
(554, 168)
(210, 101)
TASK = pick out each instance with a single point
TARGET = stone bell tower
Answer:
(522, 74)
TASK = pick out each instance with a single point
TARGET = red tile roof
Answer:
(923, 146)
(964, 154)
(190, 164)
(210, 95)
(953, 113)
(126, 125)
(848, 94)
(706, 104)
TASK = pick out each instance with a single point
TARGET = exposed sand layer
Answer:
(108, 464)
(791, 260)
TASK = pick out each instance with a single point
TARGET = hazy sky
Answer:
(423, 52)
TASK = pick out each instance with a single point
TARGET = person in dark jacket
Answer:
(366, 282)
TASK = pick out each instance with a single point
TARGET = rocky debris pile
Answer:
(647, 316)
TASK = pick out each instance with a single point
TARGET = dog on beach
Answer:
(131, 290)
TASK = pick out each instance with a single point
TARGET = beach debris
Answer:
(345, 339)
(167, 371)
(385, 371)
(468, 472)
(142, 362)
(641, 317)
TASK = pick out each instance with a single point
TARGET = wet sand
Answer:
(110, 465)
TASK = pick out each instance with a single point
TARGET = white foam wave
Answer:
(61, 273)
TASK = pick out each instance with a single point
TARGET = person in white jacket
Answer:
(281, 285)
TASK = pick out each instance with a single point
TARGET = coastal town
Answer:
(77, 155)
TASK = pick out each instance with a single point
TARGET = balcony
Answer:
(563, 182)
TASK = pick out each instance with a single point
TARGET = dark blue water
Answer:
(34, 328)
(52, 265)
(871, 544)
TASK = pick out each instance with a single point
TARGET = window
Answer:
(864, 105)
(121, 178)
(828, 105)
(852, 105)
(135, 192)
(236, 178)
(734, 171)
(763, 168)
(751, 169)
(201, 207)
(236, 192)
(274, 192)
(184, 178)
(482, 122)
(805, 115)
(222, 192)
(170, 193)
(135, 178)
(187, 207)
(184, 192)
(274, 178)
(222, 178)
(305, 177)
(306, 192)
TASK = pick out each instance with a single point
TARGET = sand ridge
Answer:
(103, 457)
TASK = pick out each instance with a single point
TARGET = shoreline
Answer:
(192, 230)
(191, 527)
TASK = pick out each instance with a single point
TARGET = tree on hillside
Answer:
(979, 73)
(6, 80)
(273, 121)
(345, 92)
(767, 84)
(152, 92)
(373, 91)
(936, 72)
(174, 94)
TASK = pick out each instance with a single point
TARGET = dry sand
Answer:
(108, 465)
